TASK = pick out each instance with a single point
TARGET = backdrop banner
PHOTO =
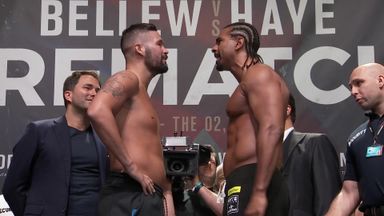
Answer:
(313, 44)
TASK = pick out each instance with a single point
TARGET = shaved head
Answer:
(374, 69)
(367, 87)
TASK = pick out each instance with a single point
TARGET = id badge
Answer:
(374, 151)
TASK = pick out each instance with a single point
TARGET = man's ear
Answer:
(239, 42)
(140, 49)
(68, 95)
(381, 81)
(289, 110)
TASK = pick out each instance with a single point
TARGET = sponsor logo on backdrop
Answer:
(5, 161)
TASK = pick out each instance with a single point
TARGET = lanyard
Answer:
(375, 135)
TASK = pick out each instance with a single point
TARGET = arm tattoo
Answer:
(113, 86)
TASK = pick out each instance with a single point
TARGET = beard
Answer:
(156, 66)
(219, 67)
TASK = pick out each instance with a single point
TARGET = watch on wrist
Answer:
(197, 187)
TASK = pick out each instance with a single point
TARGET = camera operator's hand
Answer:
(195, 179)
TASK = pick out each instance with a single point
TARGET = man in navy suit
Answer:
(310, 167)
(59, 165)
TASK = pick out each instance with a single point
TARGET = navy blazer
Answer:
(312, 172)
(38, 178)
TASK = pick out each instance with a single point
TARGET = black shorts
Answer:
(238, 190)
(122, 195)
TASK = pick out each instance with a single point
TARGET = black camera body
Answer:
(180, 156)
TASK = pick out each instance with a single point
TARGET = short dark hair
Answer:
(131, 32)
(252, 40)
(71, 81)
(292, 104)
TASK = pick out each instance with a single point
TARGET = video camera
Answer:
(182, 157)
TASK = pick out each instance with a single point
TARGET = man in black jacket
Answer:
(59, 165)
(310, 167)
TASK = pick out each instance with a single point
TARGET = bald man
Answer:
(364, 179)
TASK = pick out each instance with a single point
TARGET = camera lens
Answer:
(177, 166)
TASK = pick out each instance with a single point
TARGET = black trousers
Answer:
(238, 190)
(122, 195)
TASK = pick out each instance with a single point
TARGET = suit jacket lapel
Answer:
(292, 141)
(63, 141)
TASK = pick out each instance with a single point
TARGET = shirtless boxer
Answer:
(256, 112)
(128, 124)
